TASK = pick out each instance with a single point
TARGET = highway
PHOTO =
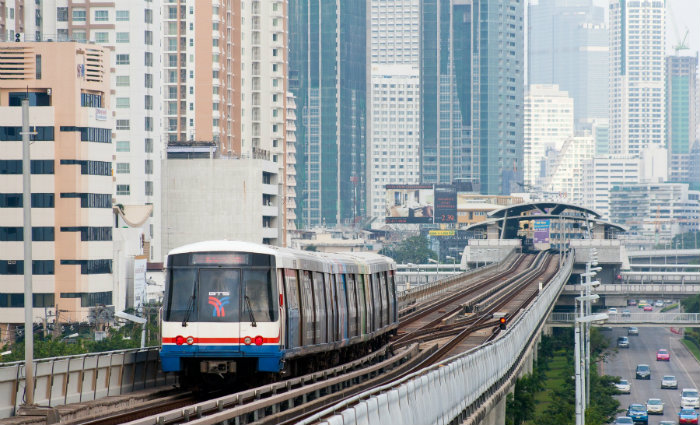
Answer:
(623, 362)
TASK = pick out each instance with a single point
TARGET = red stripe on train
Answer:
(222, 340)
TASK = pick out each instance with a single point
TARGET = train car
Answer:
(235, 309)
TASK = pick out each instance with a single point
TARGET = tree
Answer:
(411, 250)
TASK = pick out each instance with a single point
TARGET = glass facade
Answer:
(327, 70)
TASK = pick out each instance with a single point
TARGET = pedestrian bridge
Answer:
(647, 319)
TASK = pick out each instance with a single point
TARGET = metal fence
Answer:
(440, 393)
(63, 380)
(624, 319)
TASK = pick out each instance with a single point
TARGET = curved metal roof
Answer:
(497, 220)
(545, 208)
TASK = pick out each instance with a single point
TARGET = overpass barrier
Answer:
(638, 290)
(73, 379)
(666, 277)
(637, 319)
(440, 393)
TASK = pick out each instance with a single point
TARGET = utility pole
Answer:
(27, 214)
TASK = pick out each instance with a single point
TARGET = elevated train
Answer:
(236, 309)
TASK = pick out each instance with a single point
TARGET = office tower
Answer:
(68, 88)
(681, 89)
(447, 151)
(131, 30)
(327, 74)
(637, 75)
(604, 172)
(568, 46)
(497, 74)
(549, 121)
(393, 155)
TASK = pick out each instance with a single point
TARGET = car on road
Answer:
(687, 416)
(641, 303)
(623, 342)
(667, 423)
(690, 398)
(626, 313)
(612, 310)
(655, 406)
(632, 303)
(659, 303)
(648, 308)
(669, 381)
(623, 420)
(644, 372)
(633, 330)
(623, 386)
(663, 355)
(638, 413)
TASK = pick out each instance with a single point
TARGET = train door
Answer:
(321, 334)
(219, 304)
(365, 312)
(340, 292)
(385, 303)
(332, 302)
(293, 325)
(308, 320)
(353, 311)
(391, 286)
(376, 302)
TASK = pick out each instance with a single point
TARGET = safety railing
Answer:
(440, 393)
(625, 319)
(73, 379)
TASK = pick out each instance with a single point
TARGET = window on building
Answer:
(79, 15)
(123, 168)
(148, 145)
(148, 102)
(101, 15)
(123, 59)
(148, 16)
(123, 146)
(148, 166)
(148, 81)
(62, 14)
(79, 35)
(123, 102)
(38, 67)
(123, 189)
(148, 123)
(148, 37)
(123, 81)
(122, 37)
(148, 187)
(148, 59)
(122, 15)
(101, 37)
(123, 125)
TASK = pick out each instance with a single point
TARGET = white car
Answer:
(669, 381)
(659, 303)
(612, 310)
(689, 398)
(623, 386)
(655, 406)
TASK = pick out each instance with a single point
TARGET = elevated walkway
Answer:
(649, 319)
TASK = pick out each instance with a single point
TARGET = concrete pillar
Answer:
(500, 410)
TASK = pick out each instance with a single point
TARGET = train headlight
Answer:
(190, 340)
(247, 340)
(179, 340)
(258, 340)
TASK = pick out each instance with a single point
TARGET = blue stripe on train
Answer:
(268, 356)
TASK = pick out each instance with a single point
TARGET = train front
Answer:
(220, 315)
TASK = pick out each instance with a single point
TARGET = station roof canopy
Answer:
(542, 208)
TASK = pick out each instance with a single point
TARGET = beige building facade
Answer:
(68, 88)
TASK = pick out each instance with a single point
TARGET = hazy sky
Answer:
(686, 14)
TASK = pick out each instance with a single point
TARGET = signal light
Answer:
(179, 340)
(258, 340)
(502, 323)
(190, 340)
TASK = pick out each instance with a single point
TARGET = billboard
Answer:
(445, 204)
(407, 203)
(541, 231)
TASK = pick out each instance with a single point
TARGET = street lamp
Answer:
(454, 263)
(437, 267)
(408, 278)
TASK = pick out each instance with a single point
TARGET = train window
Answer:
(179, 296)
(292, 289)
(219, 295)
(365, 311)
(261, 297)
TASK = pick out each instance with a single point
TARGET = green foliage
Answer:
(311, 248)
(691, 304)
(414, 250)
(689, 240)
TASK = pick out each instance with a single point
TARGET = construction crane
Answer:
(681, 45)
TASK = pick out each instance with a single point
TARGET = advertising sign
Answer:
(407, 203)
(139, 281)
(441, 232)
(445, 204)
(541, 234)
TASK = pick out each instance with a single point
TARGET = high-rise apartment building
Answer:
(11, 19)
(131, 30)
(447, 150)
(290, 166)
(637, 75)
(568, 46)
(497, 73)
(549, 121)
(393, 155)
(68, 87)
(681, 89)
(604, 172)
(327, 74)
(566, 176)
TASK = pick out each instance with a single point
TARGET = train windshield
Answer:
(219, 294)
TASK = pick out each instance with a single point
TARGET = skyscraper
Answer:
(393, 155)
(327, 74)
(447, 149)
(681, 89)
(637, 75)
(498, 69)
(568, 46)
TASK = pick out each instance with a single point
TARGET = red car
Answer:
(648, 308)
(663, 355)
